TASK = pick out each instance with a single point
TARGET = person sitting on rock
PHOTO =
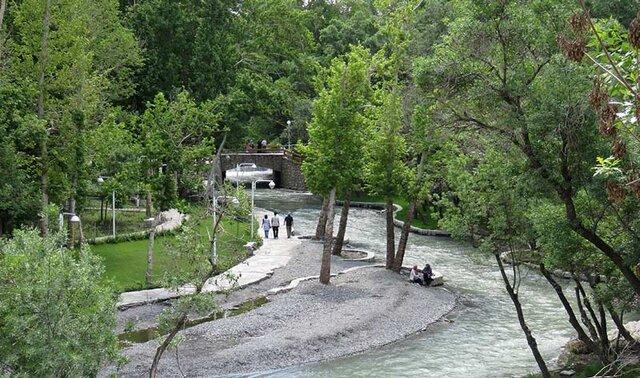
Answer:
(427, 275)
(415, 276)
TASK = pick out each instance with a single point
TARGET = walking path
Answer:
(273, 254)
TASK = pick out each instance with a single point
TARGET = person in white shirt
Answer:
(275, 224)
(266, 225)
(415, 276)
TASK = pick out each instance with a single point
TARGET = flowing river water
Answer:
(484, 338)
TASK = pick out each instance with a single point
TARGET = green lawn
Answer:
(423, 219)
(125, 263)
(126, 221)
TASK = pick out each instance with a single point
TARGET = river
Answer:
(484, 338)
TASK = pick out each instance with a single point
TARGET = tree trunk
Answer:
(411, 213)
(584, 317)
(322, 219)
(165, 344)
(527, 332)
(565, 192)
(149, 204)
(44, 153)
(601, 326)
(72, 200)
(342, 228)
(102, 209)
(148, 276)
(582, 335)
(391, 245)
(325, 268)
(604, 336)
(3, 8)
(404, 236)
(622, 331)
(183, 318)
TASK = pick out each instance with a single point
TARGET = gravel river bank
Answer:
(362, 309)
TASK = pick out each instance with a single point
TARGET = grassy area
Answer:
(126, 222)
(125, 262)
(423, 219)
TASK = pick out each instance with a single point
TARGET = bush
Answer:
(56, 318)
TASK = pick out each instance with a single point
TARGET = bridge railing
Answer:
(290, 154)
(272, 150)
(294, 156)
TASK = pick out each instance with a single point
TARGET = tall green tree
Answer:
(67, 61)
(517, 50)
(385, 169)
(336, 136)
(177, 137)
(188, 45)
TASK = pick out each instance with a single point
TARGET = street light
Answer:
(272, 185)
(75, 219)
(289, 133)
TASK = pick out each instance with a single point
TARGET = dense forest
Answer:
(512, 124)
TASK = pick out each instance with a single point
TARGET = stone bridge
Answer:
(284, 163)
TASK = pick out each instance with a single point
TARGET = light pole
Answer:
(113, 208)
(253, 195)
(289, 133)
(72, 221)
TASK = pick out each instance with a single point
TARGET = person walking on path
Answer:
(288, 222)
(275, 224)
(266, 225)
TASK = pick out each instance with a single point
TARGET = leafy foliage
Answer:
(57, 318)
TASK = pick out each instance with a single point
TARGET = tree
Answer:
(177, 137)
(274, 73)
(517, 50)
(194, 266)
(67, 61)
(492, 207)
(385, 152)
(188, 45)
(72, 335)
(336, 136)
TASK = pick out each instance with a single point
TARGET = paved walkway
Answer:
(273, 254)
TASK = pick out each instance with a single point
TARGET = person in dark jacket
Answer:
(427, 275)
(288, 221)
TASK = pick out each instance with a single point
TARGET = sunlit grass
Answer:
(125, 262)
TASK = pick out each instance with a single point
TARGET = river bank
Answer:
(360, 310)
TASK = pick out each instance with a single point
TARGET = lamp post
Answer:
(113, 208)
(75, 219)
(253, 195)
(289, 133)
